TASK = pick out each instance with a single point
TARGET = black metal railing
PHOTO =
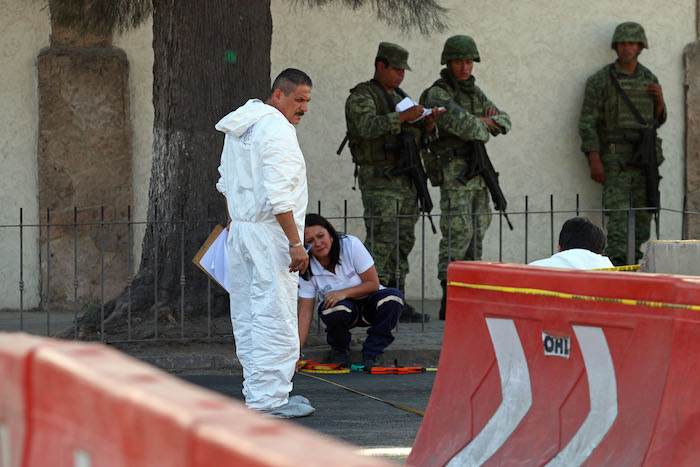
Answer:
(356, 225)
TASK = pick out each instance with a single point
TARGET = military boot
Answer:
(339, 356)
(410, 315)
(443, 301)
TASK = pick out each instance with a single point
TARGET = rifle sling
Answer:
(650, 197)
(387, 97)
(626, 98)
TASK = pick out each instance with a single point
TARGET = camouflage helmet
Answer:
(459, 48)
(629, 32)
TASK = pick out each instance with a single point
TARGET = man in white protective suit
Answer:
(581, 246)
(263, 177)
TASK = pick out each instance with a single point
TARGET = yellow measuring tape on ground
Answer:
(312, 366)
(339, 371)
(551, 293)
(398, 406)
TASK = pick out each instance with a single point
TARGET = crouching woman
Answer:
(342, 273)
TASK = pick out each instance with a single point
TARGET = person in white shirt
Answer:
(263, 177)
(342, 273)
(581, 246)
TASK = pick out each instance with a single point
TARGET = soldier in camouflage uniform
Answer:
(373, 122)
(608, 128)
(470, 116)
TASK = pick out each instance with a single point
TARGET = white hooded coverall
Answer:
(263, 174)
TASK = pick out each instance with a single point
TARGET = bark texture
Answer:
(210, 56)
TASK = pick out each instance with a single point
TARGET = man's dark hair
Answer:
(288, 80)
(334, 253)
(380, 60)
(581, 232)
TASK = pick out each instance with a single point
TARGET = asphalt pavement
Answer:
(376, 428)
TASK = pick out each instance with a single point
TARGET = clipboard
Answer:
(212, 257)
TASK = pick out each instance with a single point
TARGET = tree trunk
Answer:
(210, 56)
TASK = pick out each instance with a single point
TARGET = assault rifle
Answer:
(408, 162)
(480, 164)
(645, 157)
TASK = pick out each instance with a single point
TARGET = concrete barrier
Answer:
(560, 367)
(15, 353)
(90, 405)
(672, 257)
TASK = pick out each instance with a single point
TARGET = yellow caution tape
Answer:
(631, 267)
(551, 293)
(398, 406)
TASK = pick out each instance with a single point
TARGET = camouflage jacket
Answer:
(465, 103)
(605, 117)
(371, 123)
(363, 115)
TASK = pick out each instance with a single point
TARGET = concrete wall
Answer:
(692, 150)
(534, 63)
(25, 31)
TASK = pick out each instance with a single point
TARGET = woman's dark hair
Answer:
(319, 220)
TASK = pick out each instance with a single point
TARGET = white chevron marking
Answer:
(602, 387)
(4, 446)
(516, 391)
(81, 459)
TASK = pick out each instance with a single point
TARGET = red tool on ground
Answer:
(312, 366)
(396, 370)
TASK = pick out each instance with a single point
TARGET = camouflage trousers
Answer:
(622, 185)
(379, 199)
(462, 235)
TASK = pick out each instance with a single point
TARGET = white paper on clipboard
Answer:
(212, 258)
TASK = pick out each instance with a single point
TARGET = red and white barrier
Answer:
(565, 378)
(14, 405)
(75, 404)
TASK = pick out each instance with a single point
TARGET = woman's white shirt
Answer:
(354, 260)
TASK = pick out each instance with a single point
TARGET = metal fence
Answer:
(343, 222)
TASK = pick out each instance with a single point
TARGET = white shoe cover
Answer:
(298, 406)
(299, 399)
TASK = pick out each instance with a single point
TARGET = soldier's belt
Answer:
(621, 148)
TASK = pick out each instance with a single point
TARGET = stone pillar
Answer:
(691, 59)
(85, 160)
